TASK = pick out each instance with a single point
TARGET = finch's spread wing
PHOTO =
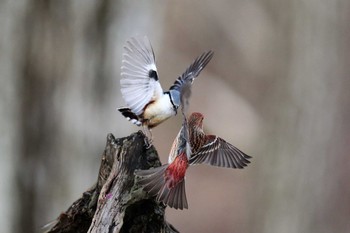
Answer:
(218, 152)
(139, 83)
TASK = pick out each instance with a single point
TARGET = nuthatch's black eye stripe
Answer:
(153, 74)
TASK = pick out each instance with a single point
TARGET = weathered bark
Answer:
(115, 203)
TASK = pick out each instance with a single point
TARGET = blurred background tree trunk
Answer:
(280, 75)
(46, 61)
(305, 165)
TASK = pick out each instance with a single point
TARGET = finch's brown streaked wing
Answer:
(139, 82)
(218, 152)
(185, 95)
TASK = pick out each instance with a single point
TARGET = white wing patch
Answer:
(173, 150)
(137, 86)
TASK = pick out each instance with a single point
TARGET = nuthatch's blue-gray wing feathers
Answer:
(193, 70)
(218, 152)
(184, 141)
(185, 95)
(139, 82)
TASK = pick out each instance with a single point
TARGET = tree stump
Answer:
(116, 203)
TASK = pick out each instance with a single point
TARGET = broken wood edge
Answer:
(116, 203)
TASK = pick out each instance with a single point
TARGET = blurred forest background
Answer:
(277, 88)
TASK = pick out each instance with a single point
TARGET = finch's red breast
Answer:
(176, 170)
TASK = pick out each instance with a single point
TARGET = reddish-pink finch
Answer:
(211, 149)
(191, 146)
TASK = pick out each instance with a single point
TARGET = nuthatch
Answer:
(147, 104)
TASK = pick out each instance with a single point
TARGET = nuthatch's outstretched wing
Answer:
(139, 83)
(193, 70)
(188, 76)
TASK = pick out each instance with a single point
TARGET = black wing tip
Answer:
(122, 109)
(245, 158)
(243, 161)
(126, 112)
(199, 63)
(130, 116)
(205, 57)
(209, 54)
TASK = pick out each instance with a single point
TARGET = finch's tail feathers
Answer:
(155, 182)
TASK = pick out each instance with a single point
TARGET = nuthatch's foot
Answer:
(148, 142)
(148, 137)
